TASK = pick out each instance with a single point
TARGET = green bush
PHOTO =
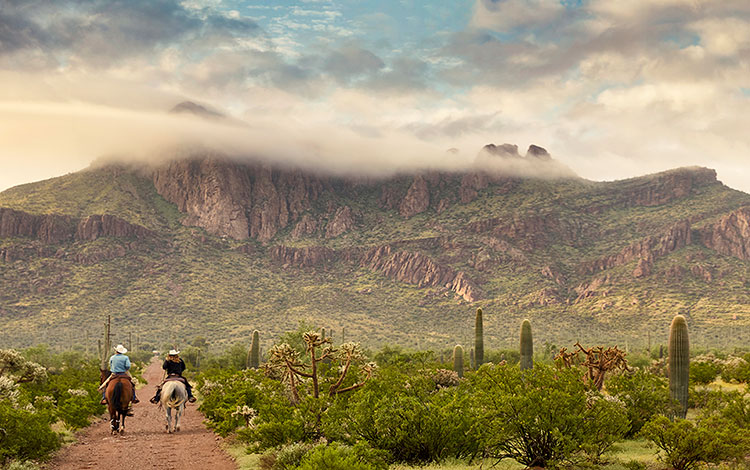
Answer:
(607, 422)
(686, 445)
(341, 457)
(540, 416)
(737, 369)
(731, 406)
(644, 395)
(25, 434)
(703, 373)
(406, 415)
(289, 457)
(252, 404)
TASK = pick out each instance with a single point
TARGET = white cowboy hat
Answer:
(173, 352)
(120, 349)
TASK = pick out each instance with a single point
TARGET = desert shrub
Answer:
(496, 356)
(686, 445)
(703, 373)
(732, 406)
(538, 417)
(607, 422)
(21, 465)
(736, 369)
(342, 457)
(406, 415)
(644, 395)
(250, 403)
(289, 457)
(25, 434)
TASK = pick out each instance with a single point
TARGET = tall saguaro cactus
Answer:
(527, 346)
(253, 355)
(478, 339)
(458, 360)
(679, 363)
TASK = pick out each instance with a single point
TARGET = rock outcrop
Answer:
(533, 230)
(211, 191)
(306, 257)
(666, 187)
(730, 235)
(419, 269)
(677, 236)
(95, 226)
(307, 225)
(417, 198)
(341, 222)
(237, 200)
(48, 228)
(54, 229)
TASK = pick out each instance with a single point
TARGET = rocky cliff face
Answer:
(419, 269)
(306, 257)
(96, 226)
(54, 229)
(667, 186)
(47, 228)
(236, 200)
(646, 250)
(730, 235)
(534, 230)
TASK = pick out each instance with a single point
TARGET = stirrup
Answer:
(192, 399)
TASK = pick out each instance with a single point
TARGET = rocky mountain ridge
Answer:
(235, 243)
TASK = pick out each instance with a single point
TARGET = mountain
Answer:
(209, 246)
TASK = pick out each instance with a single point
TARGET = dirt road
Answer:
(145, 444)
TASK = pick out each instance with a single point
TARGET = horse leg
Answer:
(122, 422)
(178, 418)
(169, 419)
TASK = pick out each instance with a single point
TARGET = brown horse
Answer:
(119, 393)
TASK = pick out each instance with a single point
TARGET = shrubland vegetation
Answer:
(410, 408)
(43, 396)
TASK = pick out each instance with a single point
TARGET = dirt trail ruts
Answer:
(145, 443)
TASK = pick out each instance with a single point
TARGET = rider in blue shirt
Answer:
(119, 364)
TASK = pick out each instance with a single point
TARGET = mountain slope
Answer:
(207, 246)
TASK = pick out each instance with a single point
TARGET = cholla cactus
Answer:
(21, 370)
(283, 360)
(349, 354)
(247, 413)
(445, 378)
(9, 390)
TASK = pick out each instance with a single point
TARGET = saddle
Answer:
(175, 378)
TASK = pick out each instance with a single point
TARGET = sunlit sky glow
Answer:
(611, 88)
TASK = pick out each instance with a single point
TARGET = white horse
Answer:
(173, 396)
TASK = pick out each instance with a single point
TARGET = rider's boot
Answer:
(156, 397)
(135, 398)
(104, 399)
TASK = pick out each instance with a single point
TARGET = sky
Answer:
(612, 88)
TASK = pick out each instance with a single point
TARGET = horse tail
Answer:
(116, 396)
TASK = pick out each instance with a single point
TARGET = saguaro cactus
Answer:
(253, 355)
(478, 339)
(679, 363)
(458, 360)
(527, 346)
(472, 362)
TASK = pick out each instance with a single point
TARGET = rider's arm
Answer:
(127, 363)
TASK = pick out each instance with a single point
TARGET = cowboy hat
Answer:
(120, 349)
(173, 352)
